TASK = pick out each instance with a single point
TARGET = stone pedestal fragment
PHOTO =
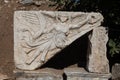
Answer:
(81, 74)
(97, 60)
(44, 74)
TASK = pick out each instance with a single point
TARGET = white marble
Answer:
(39, 35)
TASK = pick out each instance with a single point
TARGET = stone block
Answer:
(97, 59)
(116, 71)
(39, 35)
(81, 74)
(43, 74)
(35, 2)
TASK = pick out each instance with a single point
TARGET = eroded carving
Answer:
(97, 60)
(39, 35)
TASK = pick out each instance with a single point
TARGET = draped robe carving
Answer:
(39, 35)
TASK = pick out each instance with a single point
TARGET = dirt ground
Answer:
(6, 32)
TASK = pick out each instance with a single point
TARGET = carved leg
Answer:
(97, 60)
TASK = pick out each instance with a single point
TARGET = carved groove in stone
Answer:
(39, 35)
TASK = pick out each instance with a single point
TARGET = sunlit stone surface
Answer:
(39, 35)
(97, 60)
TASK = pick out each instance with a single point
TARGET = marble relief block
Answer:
(39, 35)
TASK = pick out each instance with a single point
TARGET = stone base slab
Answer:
(53, 74)
(81, 74)
(43, 74)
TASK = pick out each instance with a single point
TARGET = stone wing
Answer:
(82, 23)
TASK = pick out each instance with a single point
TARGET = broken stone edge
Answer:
(76, 72)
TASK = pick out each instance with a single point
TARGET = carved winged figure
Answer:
(40, 35)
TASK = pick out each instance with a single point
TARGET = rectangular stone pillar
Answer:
(43, 74)
(81, 74)
(97, 60)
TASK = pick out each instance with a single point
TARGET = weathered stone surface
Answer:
(81, 74)
(39, 35)
(41, 2)
(3, 77)
(116, 71)
(97, 60)
(43, 74)
(26, 1)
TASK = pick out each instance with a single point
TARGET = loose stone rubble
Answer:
(81, 74)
